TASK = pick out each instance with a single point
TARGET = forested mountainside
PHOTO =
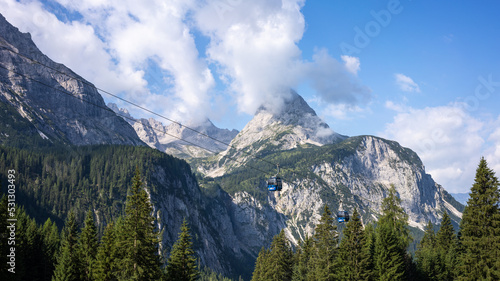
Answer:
(357, 171)
(54, 181)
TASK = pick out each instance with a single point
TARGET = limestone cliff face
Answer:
(342, 172)
(62, 109)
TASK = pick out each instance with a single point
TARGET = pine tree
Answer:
(353, 257)
(105, 265)
(445, 242)
(325, 242)
(68, 263)
(303, 263)
(88, 247)
(51, 242)
(138, 240)
(279, 260)
(181, 264)
(392, 239)
(261, 265)
(427, 257)
(480, 228)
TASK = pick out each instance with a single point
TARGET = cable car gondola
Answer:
(275, 183)
(342, 216)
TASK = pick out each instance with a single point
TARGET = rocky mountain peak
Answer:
(293, 108)
(292, 124)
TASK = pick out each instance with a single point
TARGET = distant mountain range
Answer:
(223, 192)
(177, 139)
(461, 197)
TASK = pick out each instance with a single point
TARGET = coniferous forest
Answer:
(130, 247)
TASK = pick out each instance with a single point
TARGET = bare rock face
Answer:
(60, 104)
(191, 141)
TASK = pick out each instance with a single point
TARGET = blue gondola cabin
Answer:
(274, 184)
(342, 216)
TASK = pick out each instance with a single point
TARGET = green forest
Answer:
(130, 247)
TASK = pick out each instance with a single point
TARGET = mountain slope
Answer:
(58, 180)
(62, 109)
(345, 173)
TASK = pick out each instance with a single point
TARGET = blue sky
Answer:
(419, 72)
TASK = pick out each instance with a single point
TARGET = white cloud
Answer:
(394, 106)
(351, 63)
(341, 111)
(115, 43)
(146, 51)
(449, 141)
(492, 155)
(334, 84)
(255, 45)
(406, 84)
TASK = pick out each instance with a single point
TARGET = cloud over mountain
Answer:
(178, 58)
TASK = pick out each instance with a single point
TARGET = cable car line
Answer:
(126, 117)
(154, 113)
(136, 105)
(145, 109)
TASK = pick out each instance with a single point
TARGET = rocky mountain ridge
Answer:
(184, 141)
(62, 106)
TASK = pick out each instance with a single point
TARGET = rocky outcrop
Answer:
(60, 104)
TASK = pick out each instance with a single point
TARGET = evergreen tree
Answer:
(445, 243)
(427, 255)
(354, 253)
(105, 265)
(51, 242)
(392, 239)
(261, 265)
(303, 264)
(88, 247)
(34, 256)
(279, 261)
(325, 242)
(480, 228)
(138, 240)
(68, 263)
(371, 238)
(181, 264)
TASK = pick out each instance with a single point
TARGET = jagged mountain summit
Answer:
(195, 140)
(292, 124)
(49, 101)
